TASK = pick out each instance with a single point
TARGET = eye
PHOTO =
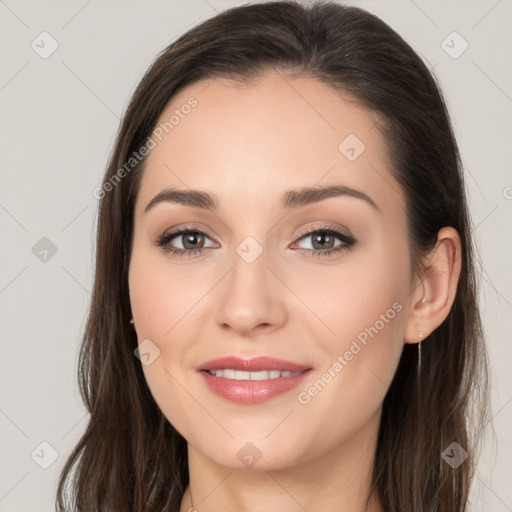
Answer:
(191, 239)
(324, 237)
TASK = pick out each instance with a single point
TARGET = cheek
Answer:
(159, 297)
(160, 300)
(365, 315)
(364, 291)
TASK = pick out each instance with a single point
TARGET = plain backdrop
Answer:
(59, 114)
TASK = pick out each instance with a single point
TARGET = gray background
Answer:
(59, 118)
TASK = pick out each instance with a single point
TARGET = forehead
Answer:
(260, 139)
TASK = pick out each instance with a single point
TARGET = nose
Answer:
(251, 298)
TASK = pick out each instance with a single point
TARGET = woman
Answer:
(284, 204)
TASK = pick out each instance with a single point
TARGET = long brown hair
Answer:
(130, 457)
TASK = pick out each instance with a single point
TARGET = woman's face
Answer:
(262, 286)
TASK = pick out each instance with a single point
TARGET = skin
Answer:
(248, 145)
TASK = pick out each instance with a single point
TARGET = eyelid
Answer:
(179, 230)
(344, 235)
(304, 231)
(324, 226)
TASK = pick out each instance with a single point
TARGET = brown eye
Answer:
(192, 241)
(192, 238)
(323, 241)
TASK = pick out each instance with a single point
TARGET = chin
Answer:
(255, 455)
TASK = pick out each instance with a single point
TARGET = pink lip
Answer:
(252, 391)
(252, 365)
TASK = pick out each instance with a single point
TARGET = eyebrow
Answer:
(294, 198)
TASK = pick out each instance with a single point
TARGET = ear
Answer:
(434, 291)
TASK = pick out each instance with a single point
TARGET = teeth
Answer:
(243, 375)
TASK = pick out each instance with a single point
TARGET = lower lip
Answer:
(252, 391)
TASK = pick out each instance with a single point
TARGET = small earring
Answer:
(419, 353)
(132, 321)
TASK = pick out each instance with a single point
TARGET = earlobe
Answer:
(432, 300)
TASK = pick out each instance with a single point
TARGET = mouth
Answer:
(232, 374)
(254, 365)
(252, 381)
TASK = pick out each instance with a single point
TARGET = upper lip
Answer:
(252, 365)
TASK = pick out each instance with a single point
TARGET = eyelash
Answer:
(348, 241)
